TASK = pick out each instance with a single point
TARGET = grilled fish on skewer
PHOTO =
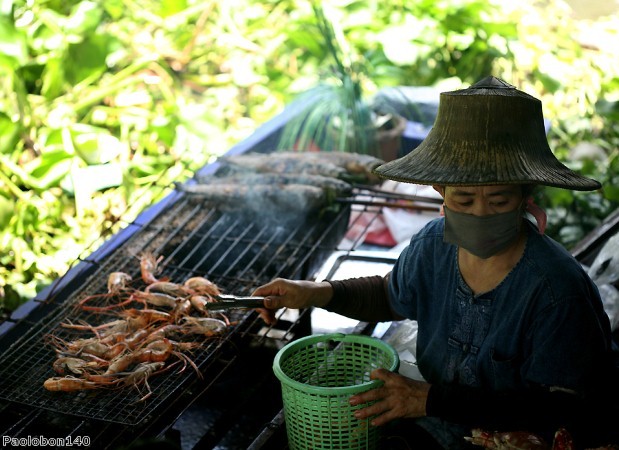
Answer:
(354, 163)
(352, 167)
(291, 197)
(282, 163)
(340, 187)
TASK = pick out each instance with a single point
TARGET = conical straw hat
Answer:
(488, 134)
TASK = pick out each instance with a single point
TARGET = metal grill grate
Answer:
(195, 239)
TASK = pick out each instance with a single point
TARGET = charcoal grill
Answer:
(194, 239)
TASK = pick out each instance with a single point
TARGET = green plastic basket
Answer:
(318, 374)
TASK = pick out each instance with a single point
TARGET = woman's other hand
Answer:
(398, 397)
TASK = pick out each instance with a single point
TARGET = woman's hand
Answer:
(296, 294)
(397, 397)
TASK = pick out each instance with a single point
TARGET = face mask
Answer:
(483, 236)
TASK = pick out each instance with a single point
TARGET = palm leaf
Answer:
(335, 116)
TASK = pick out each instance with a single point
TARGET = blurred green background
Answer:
(103, 104)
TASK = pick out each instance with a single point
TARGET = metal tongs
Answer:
(234, 301)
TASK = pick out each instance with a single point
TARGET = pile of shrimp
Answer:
(147, 333)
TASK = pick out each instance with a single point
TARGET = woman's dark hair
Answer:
(528, 189)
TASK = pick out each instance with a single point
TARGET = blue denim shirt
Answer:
(544, 324)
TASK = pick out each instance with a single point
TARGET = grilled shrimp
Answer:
(141, 374)
(169, 288)
(198, 302)
(136, 338)
(113, 338)
(155, 299)
(117, 282)
(148, 267)
(156, 351)
(201, 286)
(133, 347)
(70, 384)
(507, 440)
(185, 346)
(83, 302)
(116, 326)
(74, 365)
(163, 331)
(204, 325)
(97, 348)
(120, 364)
(147, 316)
(95, 361)
(182, 309)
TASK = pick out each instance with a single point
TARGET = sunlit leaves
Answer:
(104, 104)
(9, 133)
(13, 46)
(171, 7)
(87, 59)
(47, 170)
(85, 17)
(403, 44)
(93, 144)
(609, 109)
(7, 207)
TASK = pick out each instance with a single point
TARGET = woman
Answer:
(512, 333)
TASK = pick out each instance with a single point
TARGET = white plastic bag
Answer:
(404, 341)
(605, 266)
(404, 223)
(610, 300)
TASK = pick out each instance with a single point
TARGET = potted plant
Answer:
(336, 114)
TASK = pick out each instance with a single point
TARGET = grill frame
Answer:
(240, 356)
(236, 357)
(178, 234)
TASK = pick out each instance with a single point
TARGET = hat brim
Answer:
(486, 135)
(468, 168)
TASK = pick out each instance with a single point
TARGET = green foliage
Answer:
(573, 215)
(104, 103)
(93, 129)
(336, 115)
